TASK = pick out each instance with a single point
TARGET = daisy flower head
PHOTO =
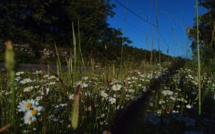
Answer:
(112, 100)
(172, 98)
(175, 111)
(47, 91)
(26, 105)
(51, 83)
(52, 77)
(81, 84)
(25, 81)
(116, 87)
(29, 119)
(103, 94)
(89, 108)
(27, 89)
(188, 106)
(60, 106)
(17, 78)
(144, 89)
(45, 76)
(38, 98)
(85, 78)
(19, 73)
(131, 90)
(134, 78)
(167, 92)
(71, 96)
(38, 72)
(34, 111)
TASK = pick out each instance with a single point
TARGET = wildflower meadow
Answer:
(100, 84)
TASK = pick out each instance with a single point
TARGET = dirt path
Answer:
(132, 120)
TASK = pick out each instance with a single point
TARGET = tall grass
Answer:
(123, 33)
(93, 99)
(199, 63)
(157, 29)
(10, 65)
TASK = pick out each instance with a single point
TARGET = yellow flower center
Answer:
(89, 108)
(112, 101)
(106, 132)
(34, 111)
(29, 89)
(30, 119)
(117, 86)
(28, 105)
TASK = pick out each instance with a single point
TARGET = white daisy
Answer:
(17, 78)
(26, 105)
(38, 72)
(131, 90)
(71, 96)
(34, 111)
(47, 91)
(52, 77)
(29, 119)
(38, 98)
(45, 76)
(24, 81)
(112, 100)
(27, 89)
(82, 84)
(19, 73)
(52, 83)
(188, 106)
(167, 92)
(103, 94)
(85, 78)
(116, 87)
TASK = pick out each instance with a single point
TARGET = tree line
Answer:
(50, 21)
(206, 32)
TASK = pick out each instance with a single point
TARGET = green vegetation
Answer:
(206, 31)
(156, 92)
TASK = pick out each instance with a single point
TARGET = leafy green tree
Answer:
(206, 30)
(51, 21)
(41, 22)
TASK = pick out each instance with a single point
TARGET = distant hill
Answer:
(101, 54)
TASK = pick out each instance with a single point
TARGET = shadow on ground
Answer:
(131, 121)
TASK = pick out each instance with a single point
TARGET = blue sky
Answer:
(173, 18)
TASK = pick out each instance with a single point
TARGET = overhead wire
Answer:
(153, 25)
(127, 22)
(135, 14)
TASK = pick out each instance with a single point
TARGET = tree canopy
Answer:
(206, 31)
(40, 21)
